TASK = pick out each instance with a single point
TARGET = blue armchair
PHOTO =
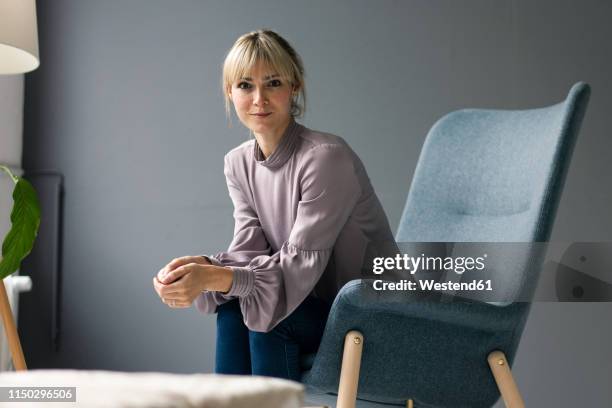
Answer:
(482, 176)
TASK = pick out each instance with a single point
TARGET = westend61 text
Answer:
(404, 284)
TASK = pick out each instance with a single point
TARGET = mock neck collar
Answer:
(283, 151)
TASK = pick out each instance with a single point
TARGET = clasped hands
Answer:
(183, 279)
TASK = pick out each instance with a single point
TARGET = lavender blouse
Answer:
(304, 219)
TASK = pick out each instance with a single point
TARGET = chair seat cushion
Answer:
(403, 339)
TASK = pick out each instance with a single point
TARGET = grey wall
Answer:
(127, 105)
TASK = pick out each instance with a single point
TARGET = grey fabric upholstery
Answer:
(482, 176)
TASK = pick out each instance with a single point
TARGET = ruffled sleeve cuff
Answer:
(243, 282)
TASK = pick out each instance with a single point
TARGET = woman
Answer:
(305, 214)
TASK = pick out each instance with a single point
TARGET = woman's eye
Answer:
(244, 85)
(275, 83)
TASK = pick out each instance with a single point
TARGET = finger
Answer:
(170, 266)
(170, 290)
(167, 291)
(176, 304)
(157, 285)
(175, 263)
(179, 287)
(180, 305)
(175, 295)
(178, 273)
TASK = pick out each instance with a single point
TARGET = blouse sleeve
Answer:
(249, 242)
(271, 286)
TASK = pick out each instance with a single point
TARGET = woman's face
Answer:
(263, 101)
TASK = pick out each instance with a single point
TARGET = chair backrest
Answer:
(493, 175)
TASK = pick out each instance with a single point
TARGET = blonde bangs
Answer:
(246, 54)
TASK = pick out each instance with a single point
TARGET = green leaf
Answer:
(25, 219)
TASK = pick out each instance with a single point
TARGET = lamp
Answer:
(18, 55)
(18, 37)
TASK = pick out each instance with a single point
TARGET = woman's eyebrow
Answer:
(265, 78)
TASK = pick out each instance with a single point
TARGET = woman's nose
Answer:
(259, 98)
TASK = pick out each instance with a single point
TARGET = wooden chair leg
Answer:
(505, 382)
(11, 330)
(349, 373)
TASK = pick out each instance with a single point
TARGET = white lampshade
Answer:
(18, 36)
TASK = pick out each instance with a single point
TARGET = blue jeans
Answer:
(273, 354)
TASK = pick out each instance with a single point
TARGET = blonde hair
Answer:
(268, 47)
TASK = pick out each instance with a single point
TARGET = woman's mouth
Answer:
(261, 114)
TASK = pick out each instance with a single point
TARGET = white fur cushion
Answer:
(151, 389)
